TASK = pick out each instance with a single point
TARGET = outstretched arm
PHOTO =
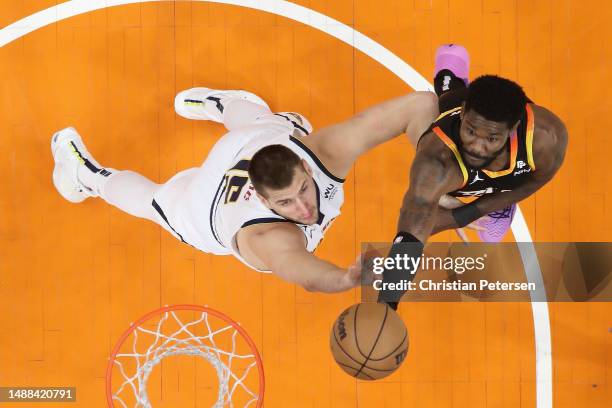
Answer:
(338, 146)
(433, 174)
(280, 247)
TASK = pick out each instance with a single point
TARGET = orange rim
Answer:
(199, 308)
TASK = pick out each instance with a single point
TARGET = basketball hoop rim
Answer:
(197, 308)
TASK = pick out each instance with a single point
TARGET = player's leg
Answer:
(77, 176)
(452, 68)
(494, 226)
(451, 75)
(235, 109)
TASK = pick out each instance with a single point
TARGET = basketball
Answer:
(369, 341)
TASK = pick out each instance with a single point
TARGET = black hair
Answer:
(273, 167)
(496, 99)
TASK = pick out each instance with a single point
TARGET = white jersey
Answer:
(218, 199)
(237, 206)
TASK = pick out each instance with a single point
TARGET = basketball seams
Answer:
(382, 325)
(393, 351)
(345, 355)
(355, 332)
(353, 368)
(353, 358)
(342, 348)
(365, 366)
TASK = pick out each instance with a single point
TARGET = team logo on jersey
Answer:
(516, 173)
(521, 164)
(477, 193)
(248, 193)
(476, 179)
(330, 191)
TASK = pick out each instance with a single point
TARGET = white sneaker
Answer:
(208, 104)
(71, 157)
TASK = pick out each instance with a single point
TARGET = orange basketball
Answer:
(369, 341)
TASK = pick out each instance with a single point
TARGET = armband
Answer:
(466, 214)
(404, 245)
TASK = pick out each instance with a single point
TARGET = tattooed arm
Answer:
(434, 172)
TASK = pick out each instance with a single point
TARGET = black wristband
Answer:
(404, 237)
(466, 214)
(404, 244)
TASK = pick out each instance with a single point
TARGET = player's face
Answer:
(298, 202)
(482, 140)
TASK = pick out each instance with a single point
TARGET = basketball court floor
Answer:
(73, 277)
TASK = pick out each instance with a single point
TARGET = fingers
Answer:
(355, 271)
(362, 271)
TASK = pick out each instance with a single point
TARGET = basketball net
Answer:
(187, 330)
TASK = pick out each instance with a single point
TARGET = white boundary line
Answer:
(539, 310)
(394, 64)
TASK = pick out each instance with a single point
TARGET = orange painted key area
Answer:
(73, 277)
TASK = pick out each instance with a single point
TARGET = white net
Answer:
(186, 333)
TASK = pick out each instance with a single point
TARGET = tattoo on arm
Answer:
(428, 181)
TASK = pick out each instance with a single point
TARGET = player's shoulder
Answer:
(432, 148)
(549, 130)
(449, 115)
(448, 119)
(434, 158)
(545, 119)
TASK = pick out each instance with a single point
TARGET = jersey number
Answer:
(236, 181)
(234, 187)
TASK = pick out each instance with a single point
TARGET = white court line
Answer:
(539, 310)
(394, 64)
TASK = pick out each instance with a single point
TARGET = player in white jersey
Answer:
(267, 191)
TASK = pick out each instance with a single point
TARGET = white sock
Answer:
(93, 176)
(128, 191)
